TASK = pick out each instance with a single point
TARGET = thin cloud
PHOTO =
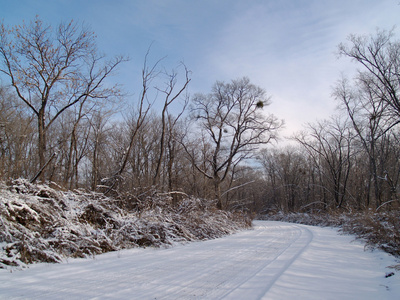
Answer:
(287, 47)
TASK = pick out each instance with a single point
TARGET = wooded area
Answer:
(58, 122)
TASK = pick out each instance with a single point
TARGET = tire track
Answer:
(256, 266)
(265, 278)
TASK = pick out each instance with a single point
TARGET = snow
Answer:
(275, 260)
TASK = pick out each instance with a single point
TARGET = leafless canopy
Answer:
(232, 118)
(52, 70)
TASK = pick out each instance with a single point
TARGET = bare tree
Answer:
(285, 170)
(137, 120)
(17, 136)
(231, 116)
(373, 102)
(170, 97)
(174, 159)
(379, 56)
(52, 71)
(372, 122)
(329, 143)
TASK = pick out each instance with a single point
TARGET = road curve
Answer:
(246, 265)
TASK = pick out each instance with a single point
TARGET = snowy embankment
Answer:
(42, 224)
(274, 261)
(378, 229)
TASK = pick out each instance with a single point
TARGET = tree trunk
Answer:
(162, 142)
(95, 165)
(68, 177)
(217, 190)
(42, 141)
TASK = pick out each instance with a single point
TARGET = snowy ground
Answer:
(274, 261)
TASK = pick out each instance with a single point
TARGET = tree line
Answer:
(58, 119)
(352, 160)
(58, 123)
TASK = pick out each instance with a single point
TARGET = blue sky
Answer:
(287, 47)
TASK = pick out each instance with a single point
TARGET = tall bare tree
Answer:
(379, 57)
(137, 120)
(166, 119)
(53, 70)
(232, 118)
(17, 132)
(372, 101)
(329, 144)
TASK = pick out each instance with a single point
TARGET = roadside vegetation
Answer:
(39, 223)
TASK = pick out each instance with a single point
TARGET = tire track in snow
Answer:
(215, 269)
(254, 260)
(265, 278)
(245, 258)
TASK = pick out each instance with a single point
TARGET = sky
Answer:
(287, 47)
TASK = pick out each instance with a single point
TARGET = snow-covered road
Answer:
(274, 261)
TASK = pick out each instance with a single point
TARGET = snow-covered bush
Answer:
(381, 230)
(42, 224)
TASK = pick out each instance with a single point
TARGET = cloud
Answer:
(289, 48)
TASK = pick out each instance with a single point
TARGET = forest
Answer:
(64, 123)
